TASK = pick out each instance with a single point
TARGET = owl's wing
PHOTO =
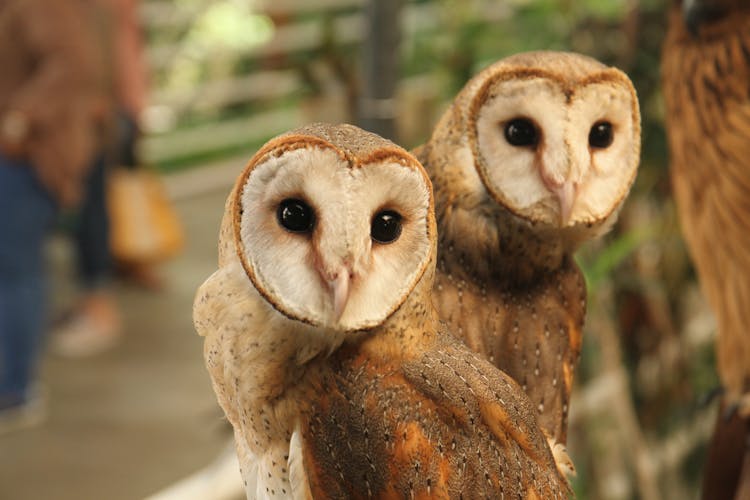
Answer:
(223, 307)
(705, 87)
(297, 474)
(466, 384)
(226, 310)
(540, 343)
(533, 333)
(444, 425)
(714, 207)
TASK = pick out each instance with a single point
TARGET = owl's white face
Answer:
(332, 243)
(558, 153)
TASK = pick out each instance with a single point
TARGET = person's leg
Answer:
(94, 324)
(28, 213)
(127, 137)
(92, 232)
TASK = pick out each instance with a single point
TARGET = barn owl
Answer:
(535, 156)
(705, 73)
(325, 351)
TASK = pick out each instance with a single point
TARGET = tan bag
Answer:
(144, 225)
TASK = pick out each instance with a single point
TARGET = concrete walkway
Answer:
(129, 422)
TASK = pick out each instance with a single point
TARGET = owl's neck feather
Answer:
(284, 353)
(266, 351)
(486, 242)
(408, 331)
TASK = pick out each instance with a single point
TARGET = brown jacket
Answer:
(130, 72)
(50, 72)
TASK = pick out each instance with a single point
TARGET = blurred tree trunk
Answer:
(380, 57)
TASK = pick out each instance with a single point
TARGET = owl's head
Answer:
(333, 225)
(554, 137)
(700, 15)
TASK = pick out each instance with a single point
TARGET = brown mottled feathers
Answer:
(532, 332)
(350, 141)
(445, 424)
(707, 98)
(706, 84)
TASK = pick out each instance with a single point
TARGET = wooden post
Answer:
(380, 57)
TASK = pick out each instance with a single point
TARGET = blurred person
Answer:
(94, 325)
(50, 102)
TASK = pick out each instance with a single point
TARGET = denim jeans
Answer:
(91, 233)
(27, 214)
(95, 263)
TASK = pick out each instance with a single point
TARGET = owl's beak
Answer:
(337, 278)
(340, 288)
(566, 195)
(559, 178)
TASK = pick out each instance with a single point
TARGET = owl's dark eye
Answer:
(385, 226)
(295, 215)
(601, 135)
(521, 132)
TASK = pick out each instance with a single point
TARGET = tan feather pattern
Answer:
(533, 332)
(707, 97)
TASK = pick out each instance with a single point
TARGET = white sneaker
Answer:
(81, 337)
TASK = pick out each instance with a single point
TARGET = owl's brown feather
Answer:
(707, 96)
(441, 425)
(533, 332)
(708, 124)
